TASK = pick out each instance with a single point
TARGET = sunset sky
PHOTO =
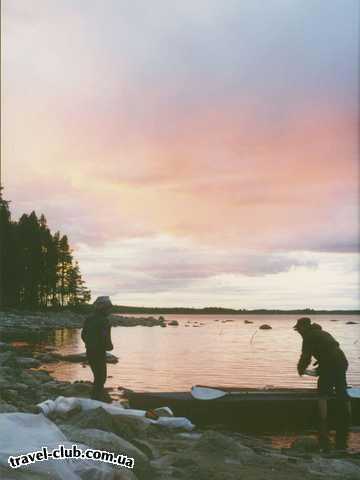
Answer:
(196, 152)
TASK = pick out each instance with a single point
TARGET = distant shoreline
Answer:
(226, 311)
(128, 310)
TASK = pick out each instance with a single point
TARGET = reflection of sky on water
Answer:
(215, 353)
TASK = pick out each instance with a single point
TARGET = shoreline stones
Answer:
(47, 321)
(162, 453)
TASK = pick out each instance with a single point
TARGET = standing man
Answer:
(332, 366)
(96, 335)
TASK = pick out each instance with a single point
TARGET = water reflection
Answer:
(222, 352)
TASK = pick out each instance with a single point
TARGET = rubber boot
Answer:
(323, 438)
(343, 421)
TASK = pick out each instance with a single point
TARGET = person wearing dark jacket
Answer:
(331, 368)
(96, 335)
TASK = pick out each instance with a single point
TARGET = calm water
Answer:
(221, 350)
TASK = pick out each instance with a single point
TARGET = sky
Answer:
(196, 153)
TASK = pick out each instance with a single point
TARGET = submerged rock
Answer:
(173, 323)
(119, 321)
(81, 357)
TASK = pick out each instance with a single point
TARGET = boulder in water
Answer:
(173, 323)
(81, 357)
(265, 327)
(28, 362)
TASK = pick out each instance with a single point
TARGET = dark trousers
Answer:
(97, 362)
(333, 380)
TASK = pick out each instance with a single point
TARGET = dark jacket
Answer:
(96, 334)
(323, 347)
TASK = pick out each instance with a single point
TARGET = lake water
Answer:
(209, 350)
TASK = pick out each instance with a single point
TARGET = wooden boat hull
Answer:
(249, 410)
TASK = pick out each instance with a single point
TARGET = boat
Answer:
(246, 409)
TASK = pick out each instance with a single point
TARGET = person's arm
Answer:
(108, 342)
(84, 331)
(305, 358)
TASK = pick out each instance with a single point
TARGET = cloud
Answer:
(231, 125)
(169, 271)
(158, 264)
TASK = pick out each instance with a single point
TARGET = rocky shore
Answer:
(42, 321)
(162, 453)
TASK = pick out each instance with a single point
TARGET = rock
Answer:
(351, 323)
(53, 387)
(146, 447)
(127, 427)
(31, 379)
(5, 346)
(265, 327)
(7, 408)
(108, 441)
(81, 357)
(8, 359)
(40, 375)
(173, 323)
(47, 358)
(28, 362)
(248, 321)
(216, 444)
(77, 389)
(20, 386)
(305, 444)
(334, 467)
(117, 320)
(5, 384)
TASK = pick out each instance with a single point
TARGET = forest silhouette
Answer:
(37, 268)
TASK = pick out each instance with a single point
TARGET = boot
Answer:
(341, 441)
(323, 438)
(342, 426)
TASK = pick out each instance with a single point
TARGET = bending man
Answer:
(332, 366)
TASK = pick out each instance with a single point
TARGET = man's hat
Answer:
(302, 323)
(103, 301)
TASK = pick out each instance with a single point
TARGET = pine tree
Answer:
(38, 266)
